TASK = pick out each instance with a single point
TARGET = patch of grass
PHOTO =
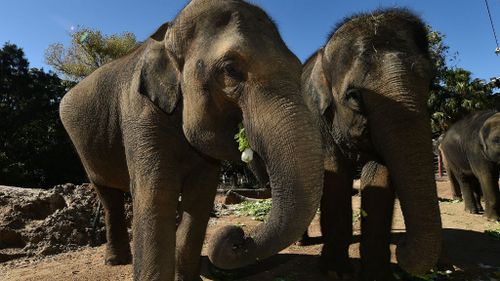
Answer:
(258, 210)
(493, 232)
(433, 275)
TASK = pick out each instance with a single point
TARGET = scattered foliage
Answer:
(493, 232)
(258, 209)
(433, 275)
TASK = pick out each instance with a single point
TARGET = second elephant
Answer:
(369, 86)
(471, 150)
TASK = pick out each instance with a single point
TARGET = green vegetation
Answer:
(89, 50)
(454, 93)
(34, 148)
(433, 275)
(241, 138)
(493, 232)
(258, 209)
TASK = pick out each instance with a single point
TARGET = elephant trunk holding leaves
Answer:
(370, 84)
(158, 121)
(471, 150)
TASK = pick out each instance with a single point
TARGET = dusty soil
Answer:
(468, 253)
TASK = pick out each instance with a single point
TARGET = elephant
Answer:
(158, 122)
(471, 154)
(368, 88)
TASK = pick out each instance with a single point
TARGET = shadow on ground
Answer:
(466, 254)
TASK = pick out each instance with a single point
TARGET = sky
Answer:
(304, 24)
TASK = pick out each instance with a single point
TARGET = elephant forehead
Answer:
(494, 121)
(230, 42)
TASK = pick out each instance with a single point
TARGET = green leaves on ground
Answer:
(258, 209)
(493, 232)
(433, 275)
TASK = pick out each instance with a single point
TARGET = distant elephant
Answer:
(369, 85)
(159, 120)
(471, 153)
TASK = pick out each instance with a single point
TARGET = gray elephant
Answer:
(158, 121)
(369, 85)
(471, 154)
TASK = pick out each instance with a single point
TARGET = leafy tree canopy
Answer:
(89, 50)
(34, 148)
(454, 93)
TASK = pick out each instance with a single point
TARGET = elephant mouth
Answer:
(362, 143)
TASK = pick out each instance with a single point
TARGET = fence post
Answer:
(440, 164)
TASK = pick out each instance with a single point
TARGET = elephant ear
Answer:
(490, 127)
(483, 135)
(321, 84)
(159, 76)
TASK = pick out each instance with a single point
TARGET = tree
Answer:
(89, 50)
(454, 93)
(34, 148)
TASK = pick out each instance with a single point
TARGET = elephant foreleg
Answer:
(476, 193)
(336, 223)
(117, 246)
(467, 188)
(489, 186)
(377, 206)
(153, 229)
(198, 194)
(455, 186)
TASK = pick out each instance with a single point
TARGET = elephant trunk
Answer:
(405, 147)
(286, 138)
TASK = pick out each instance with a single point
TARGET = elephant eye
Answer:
(353, 99)
(230, 78)
(232, 71)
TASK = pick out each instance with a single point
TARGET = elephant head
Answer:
(223, 62)
(370, 84)
(489, 135)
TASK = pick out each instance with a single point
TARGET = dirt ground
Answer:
(468, 253)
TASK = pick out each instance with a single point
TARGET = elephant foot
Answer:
(303, 242)
(492, 216)
(309, 241)
(471, 210)
(113, 257)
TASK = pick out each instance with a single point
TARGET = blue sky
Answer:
(304, 24)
